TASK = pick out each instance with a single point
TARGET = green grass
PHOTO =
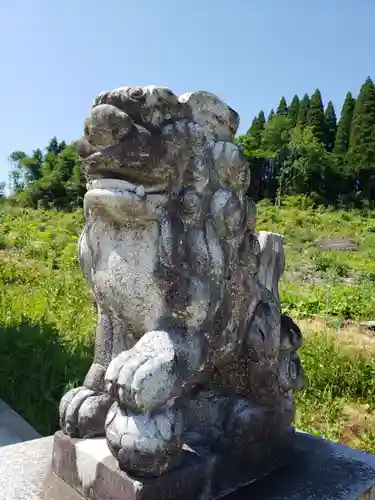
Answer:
(47, 320)
(46, 316)
(347, 277)
(338, 379)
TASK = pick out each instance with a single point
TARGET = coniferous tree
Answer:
(256, 129)
(282, 108)
(261, 119)
(293, 110)
(253, 126)
(362, 133)
(303, 111)
(53, 146)
(330, 126)
(315, 117)
(271, 115)
(344, 126)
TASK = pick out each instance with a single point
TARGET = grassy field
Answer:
(47, 319)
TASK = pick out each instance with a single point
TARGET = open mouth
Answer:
(118, 200)
(119, 186)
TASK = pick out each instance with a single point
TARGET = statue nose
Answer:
(107, 125)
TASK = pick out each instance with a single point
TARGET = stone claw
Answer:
(145, 445)
(83, 412)
(145, 377)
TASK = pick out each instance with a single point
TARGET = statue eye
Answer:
(136, 92)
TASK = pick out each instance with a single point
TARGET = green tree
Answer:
(258, 165)
(275, 141)
(294, 110)
(33, 166)
(312, 166)
(362, 134)
(262, 119)
(17, 173)
(256, 129)
(282, 108)
(330, 126)
(303, 110)
(50, 180)
(344, 126)
(361, 152)
(53, 146)
(276, 135)
(271, 115)
(315, 116)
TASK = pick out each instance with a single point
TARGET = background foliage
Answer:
(300, 149)
(312, 175)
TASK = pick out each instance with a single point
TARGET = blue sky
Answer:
(57, 55)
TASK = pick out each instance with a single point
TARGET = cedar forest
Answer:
(299, 149)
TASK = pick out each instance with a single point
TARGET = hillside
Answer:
(47, 319)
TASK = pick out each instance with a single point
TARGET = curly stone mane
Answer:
(207, 249)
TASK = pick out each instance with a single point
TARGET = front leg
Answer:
(145, 427)
(83, 410)
(162, 366)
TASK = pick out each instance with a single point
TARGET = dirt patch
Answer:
(357, 336)
(337, 243)
(358, 419)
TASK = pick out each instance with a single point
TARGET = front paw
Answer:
(83, 412)
(145, 445)
(145, 377)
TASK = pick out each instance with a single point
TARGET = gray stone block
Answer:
(88, 466)
(319, 470)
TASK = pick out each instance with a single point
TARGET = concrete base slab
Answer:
(89, 467)
(25, 473)
(320, 470)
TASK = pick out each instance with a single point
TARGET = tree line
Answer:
(301, 148)
(52, 178)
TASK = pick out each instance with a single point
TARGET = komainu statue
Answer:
(191, 346)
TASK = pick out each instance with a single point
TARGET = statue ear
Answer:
(207, 108)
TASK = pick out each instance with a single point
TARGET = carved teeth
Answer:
(113, 184)
(121, 185)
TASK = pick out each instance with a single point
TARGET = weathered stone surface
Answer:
(318, 470)
(191, 347)
(88, 466)
(321, 470)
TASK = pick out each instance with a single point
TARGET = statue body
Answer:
(191, 346)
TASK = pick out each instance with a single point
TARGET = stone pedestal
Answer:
(89, 467)
(318, 470)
